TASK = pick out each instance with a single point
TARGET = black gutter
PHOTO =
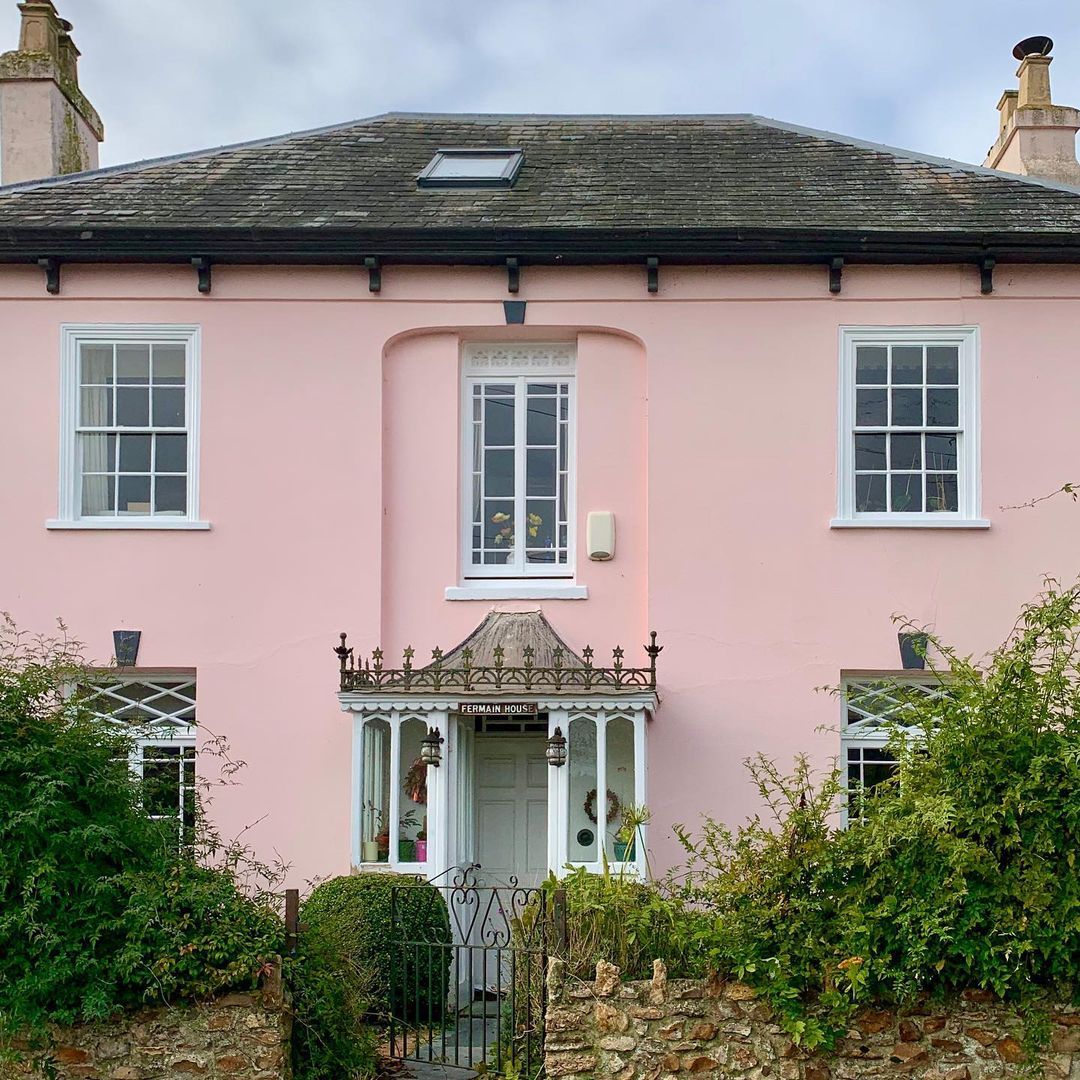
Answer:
(535, 246)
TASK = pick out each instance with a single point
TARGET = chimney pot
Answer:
(1035, 136)
(47, 127)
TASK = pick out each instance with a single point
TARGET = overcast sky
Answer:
(174, 75)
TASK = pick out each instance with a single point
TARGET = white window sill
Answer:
(929, 521)
(540, 590)
(128, 523)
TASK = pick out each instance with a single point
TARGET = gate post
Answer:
(292, 920)
(560, 944)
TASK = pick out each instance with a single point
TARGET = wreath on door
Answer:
(613, 806)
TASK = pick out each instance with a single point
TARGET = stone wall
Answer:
(239, 1037)
(663, 1030)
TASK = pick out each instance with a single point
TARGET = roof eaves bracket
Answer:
(652, 269)
(513, 275)
(986, 274)
(51, 266)
(374, 271)
(203, 266)
(836, 271)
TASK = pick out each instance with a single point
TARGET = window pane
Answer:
(170, 364)
(871, 365)
(97, 364)
(870, 492)
(96, 407)
(375, 808)
(943, 364)
(134, 496)
(98, 453)
(906, 493)
(98, 495)
(540, 472)
(412, 780)
(170, 495)
(941, 492)
(942, 408)
(132, 365)
(581, 762)
(135, 453)
(161, 781)
(499, 473)
(907, 408)
(870, 452)
(132, 406)
(169, 407)
(907, 366)
(499, 418)
(541, 423)
(540, 523)
(620, 780)
(171, 453)
(498, 524)
(870, 408)
(941, 452)
(906, 451)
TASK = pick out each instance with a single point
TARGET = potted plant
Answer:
(625, 844)
(370, 849)
(406, 846)
(421, 843)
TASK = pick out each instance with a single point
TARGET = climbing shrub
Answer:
(960, 872)
(352, 918)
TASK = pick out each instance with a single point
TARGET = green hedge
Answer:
(352, 915)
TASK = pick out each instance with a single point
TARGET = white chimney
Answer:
(1036, 137)
(47, 127)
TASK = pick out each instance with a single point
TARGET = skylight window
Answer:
(470, 168)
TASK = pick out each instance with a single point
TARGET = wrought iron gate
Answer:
(468, 965)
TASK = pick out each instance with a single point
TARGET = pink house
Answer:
(508, 387)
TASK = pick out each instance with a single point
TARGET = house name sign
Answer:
(498, 708)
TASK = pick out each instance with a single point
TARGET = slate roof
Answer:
(631, 176)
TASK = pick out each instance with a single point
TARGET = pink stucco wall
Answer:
(707, 421)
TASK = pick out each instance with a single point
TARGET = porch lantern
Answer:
(431, 748)
(556, 749)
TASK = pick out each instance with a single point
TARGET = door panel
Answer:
(511, 808)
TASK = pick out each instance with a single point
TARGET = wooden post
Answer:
(292, 920)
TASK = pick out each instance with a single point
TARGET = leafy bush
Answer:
(352, 917)
(71, 834)
(960, 872)
(329, 1001)
(191, 932)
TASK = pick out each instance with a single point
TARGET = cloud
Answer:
(174, 75)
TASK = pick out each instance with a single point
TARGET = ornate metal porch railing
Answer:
(566, 672)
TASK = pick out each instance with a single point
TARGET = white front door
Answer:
(511, 799)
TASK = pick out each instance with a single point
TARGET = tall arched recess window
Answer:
(606, 780)
(518, 461)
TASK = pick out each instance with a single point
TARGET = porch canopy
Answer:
(421, 732)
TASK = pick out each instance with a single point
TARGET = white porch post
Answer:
(357, 796)
(439, 783)
(558, 798)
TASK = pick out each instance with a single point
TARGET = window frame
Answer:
(969, 478)
(181, 735)
(428, 176)
(72, 337)
(866, 735)
(520, 364)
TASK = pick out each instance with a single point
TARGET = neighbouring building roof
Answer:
(710, 186)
